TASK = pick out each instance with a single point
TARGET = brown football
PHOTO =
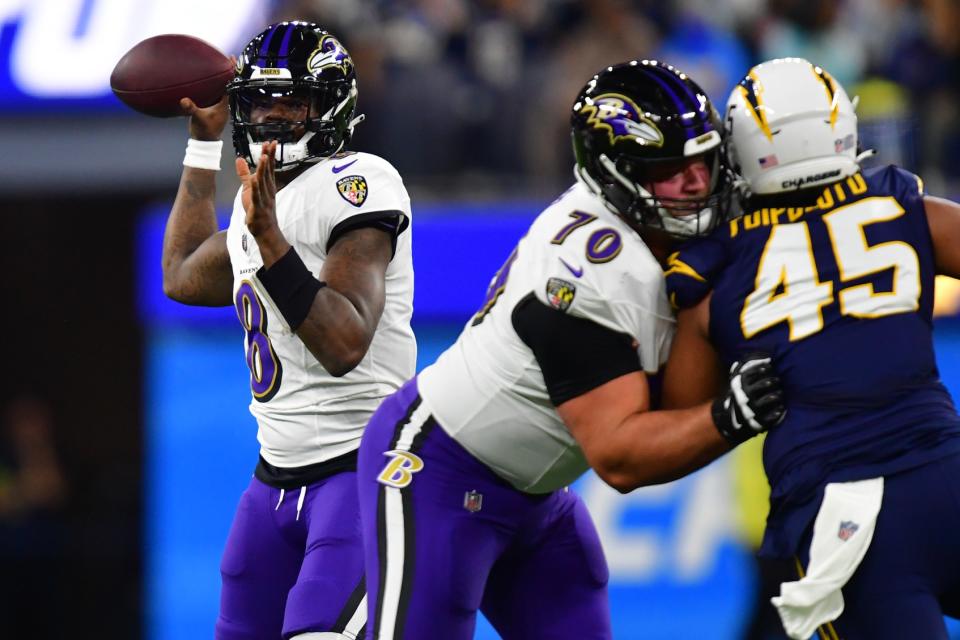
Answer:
(153, 76)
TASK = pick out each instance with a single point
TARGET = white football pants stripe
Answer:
(393, 578)
(353, 628)
(395, 532)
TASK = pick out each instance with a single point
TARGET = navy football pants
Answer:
(910, 576)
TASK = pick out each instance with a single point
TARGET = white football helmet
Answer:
(790, 126)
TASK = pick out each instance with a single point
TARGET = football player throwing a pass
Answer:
(318, 267)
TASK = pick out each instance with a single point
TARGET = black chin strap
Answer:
(628, 208)
(617, 195)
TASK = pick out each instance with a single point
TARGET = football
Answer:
(157, 72)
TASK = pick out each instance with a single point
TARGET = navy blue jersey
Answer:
(840, 291)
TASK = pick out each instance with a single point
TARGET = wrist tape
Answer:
(203, 154)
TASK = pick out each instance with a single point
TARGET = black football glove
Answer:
(753, 403)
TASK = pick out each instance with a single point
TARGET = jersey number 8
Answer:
(788, 287)
(266, 371)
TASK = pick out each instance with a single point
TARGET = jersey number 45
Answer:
(788, 286)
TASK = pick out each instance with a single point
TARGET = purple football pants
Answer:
(445, 537)
(294, 563)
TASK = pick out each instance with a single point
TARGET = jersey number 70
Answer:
(603, 245)
(788, 287)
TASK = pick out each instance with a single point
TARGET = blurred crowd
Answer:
(470, 98)
(33, 538)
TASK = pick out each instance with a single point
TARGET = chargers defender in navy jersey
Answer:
(318, 265)
(831, 269)
(463, 472)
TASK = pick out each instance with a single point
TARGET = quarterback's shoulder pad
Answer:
(363, 183)
(895, 181)
(346, 191)
(690, 271)
(364, 162)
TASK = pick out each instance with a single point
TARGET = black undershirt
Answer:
(296, 477)
(393, 222)
(574, 354)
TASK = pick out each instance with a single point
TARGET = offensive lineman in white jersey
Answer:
(318, 265)
(462, 472)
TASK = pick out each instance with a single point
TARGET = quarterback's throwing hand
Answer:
(205, 123)
(753, 403)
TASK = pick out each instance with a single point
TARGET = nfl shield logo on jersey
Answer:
(353, 189)
(560, 293)
(472, 501)
(847, 529)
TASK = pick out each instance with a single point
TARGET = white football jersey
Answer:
(488, 391)
(304, 414)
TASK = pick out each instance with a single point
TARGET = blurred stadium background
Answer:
(124, 435)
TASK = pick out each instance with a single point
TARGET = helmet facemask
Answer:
(621, 186)
(329, 111)
(680, 217)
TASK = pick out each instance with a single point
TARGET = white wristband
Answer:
(203, 154)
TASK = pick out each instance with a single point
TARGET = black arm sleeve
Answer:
(392, 222)
(575, 355)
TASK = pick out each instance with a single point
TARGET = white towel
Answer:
(841, 535)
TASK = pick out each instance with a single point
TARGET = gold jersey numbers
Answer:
(788, 289)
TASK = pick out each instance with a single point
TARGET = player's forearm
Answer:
(272, 244)
(659, 446)
(336, 332)
(191, 221)
(336, 314)
(193, 217)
